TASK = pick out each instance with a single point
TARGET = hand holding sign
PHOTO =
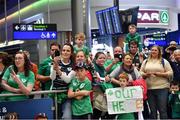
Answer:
(124, 100)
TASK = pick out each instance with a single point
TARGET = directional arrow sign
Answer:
(53, 35)
(34, 31)
(17, 27)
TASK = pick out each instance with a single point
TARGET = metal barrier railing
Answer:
(40, 93)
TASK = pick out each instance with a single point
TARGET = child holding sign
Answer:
(124, 82)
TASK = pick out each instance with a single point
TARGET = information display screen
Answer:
(34, 31)
(109, 21)
(155, 39)
(115, 19)
(100, 22)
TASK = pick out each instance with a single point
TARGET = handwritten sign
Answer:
(124, 100)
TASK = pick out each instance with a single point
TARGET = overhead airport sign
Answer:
(34, 31)
(153, 17)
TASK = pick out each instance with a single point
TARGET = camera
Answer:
(172, 48)
(56, 53)
(119, 56)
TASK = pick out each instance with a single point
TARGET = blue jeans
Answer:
(158, 100)
(66, 109)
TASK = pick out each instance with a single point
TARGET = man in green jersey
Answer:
(45, 66)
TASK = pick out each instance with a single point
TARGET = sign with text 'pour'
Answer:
(124, 100)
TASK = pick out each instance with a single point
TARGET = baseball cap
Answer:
(173, 43)
(80, 65)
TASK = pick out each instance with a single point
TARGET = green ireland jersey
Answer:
(25, 80)
(82, 106)
(85, 49)
(45, 69)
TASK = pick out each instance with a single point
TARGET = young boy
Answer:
(79, 40)
(124, 82)
(133, 36)
(174, 100)
(79, 91)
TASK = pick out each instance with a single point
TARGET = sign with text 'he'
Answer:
(124, 100)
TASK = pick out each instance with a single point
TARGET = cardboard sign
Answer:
(124, 100)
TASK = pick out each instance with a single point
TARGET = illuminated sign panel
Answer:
(109, 21)
(155, 39)
(115, 20)
(100, 22)
(158, 17)
(34, 31)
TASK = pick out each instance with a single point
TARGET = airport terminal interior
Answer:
(76, 52)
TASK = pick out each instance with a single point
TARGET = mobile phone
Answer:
(119, 56)
(56, 53)
(172, 48)
(102, 78)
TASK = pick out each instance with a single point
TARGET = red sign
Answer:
(148, 16)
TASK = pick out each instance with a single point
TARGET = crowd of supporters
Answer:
(86, 78)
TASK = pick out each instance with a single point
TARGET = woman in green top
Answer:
(18, 78)
(99, 98)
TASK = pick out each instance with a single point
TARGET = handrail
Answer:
(34, 93)
(41, 92)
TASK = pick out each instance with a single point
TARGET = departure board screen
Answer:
(100, 22)
(115, 19)
(109, 21)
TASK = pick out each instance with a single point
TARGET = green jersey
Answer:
(126, 116)
(85, 49)
(136, 37)
(25, 80)
(174, 101)
(45, 69)
(108, 62)
(82, 106)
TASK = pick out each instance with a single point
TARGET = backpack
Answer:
(162, 62)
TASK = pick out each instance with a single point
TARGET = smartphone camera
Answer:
(56, 53)
(119, 56)
(172, 48)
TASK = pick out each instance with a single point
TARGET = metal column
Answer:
(77, 16)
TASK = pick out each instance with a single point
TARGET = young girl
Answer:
(80, 40)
